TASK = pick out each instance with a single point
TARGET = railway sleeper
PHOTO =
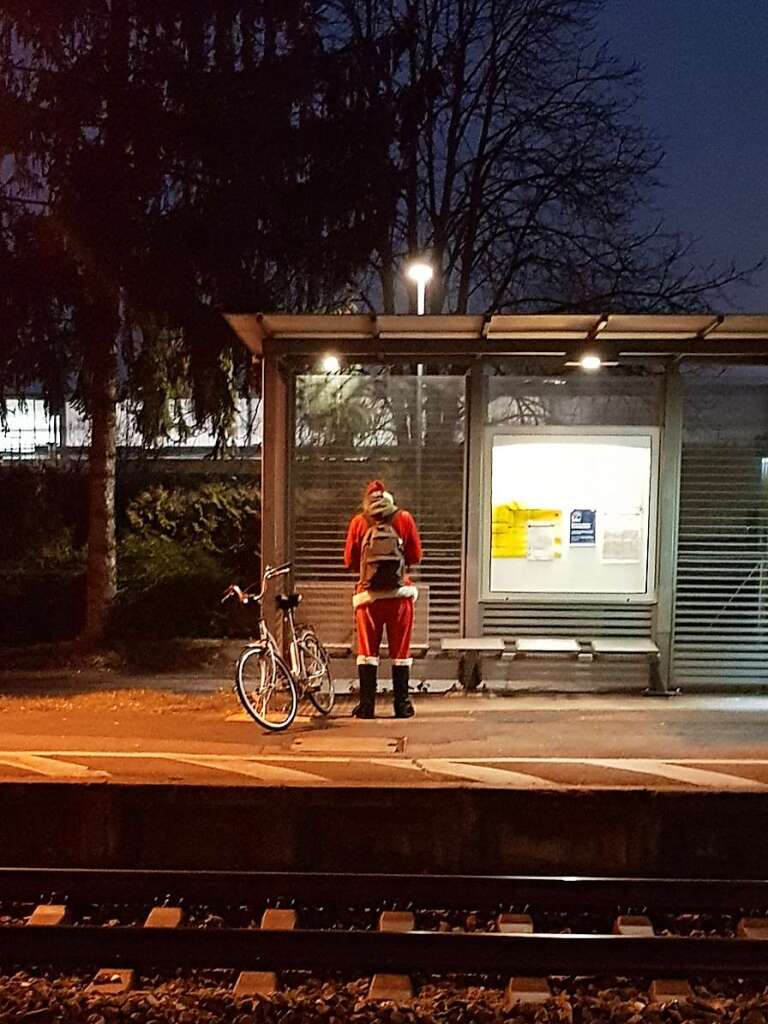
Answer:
(397, 988)
(112, 981)
(527, 990)
(514, 924)
(633, 924)
(670, 990)
(265, 983)
(752, 928)
(115, 981)
(107, 981)
(49, 915)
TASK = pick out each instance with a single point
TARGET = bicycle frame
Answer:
(295, 663)
(303, 649)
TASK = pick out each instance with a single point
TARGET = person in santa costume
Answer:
(382, 543)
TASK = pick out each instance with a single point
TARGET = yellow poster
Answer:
(511, 537)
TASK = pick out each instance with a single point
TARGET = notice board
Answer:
(571, 512)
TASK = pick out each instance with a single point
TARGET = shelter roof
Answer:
(702, 334)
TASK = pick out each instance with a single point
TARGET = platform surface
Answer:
(526, 742)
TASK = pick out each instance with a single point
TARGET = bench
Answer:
(598, 647)
(619, 647)
(328, 607)
(471, 651)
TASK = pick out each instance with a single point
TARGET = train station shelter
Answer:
(591, 490)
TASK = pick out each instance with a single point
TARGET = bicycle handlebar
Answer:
(246, 596)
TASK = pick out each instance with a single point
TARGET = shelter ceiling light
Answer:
(421, 274)
(592, 356)
(590, 361)
(330, 363)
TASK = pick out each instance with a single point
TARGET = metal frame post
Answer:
(277, 446)
(471, 618)
(669, 525)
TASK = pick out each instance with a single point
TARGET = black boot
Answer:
(400, 677)
(367, 705)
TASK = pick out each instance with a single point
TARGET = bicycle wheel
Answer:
(318, 685)
(266, 688)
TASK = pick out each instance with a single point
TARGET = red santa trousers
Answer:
(396, 613)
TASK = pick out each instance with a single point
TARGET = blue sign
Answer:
(583, 527)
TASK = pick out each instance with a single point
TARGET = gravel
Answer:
(205, 998)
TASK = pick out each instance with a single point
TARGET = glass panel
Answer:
(407, 430)
(721, 611)
(378, 411)
(614, 396)
(725, 404)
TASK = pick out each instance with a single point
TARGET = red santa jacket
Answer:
(405, 525)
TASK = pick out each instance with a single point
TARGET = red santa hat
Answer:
(378, 502)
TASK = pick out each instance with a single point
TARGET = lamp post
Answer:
(421, 273)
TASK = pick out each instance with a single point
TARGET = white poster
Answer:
(543, 542)
(623, 537)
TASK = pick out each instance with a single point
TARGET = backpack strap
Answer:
(371, 522)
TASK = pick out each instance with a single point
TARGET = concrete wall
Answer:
(454, 830)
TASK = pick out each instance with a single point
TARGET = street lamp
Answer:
(421, 273)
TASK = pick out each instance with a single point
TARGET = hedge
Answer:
(180, 541)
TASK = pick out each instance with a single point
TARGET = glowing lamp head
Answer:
(330, 363)
(590, 361)
(421, 273)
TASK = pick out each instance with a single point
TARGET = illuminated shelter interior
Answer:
(629, 501)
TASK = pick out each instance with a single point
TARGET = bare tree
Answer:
(516, 160)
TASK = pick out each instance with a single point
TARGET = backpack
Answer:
(382, 564)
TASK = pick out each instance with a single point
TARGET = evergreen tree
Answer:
(161, 160)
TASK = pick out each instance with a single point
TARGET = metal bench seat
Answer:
(485, 644)
(547, 645)
(596, 647)
(631, 645)
(472, 649)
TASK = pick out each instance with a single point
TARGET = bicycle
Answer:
(268, 686)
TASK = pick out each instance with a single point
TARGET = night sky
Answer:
(705, 74)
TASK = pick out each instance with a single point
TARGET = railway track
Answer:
(572, 893)
(366, 950)
(388, 952)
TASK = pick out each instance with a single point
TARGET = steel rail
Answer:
(464, 892)
(366, 952)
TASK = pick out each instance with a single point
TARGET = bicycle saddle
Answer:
(287, 601)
